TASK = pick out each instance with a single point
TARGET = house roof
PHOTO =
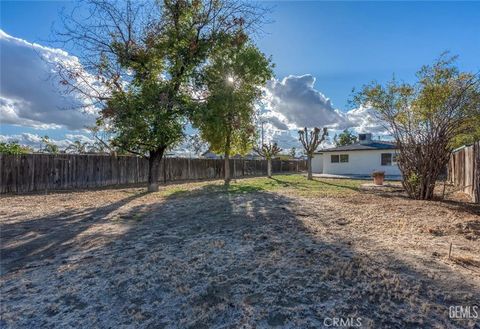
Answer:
(373, 145)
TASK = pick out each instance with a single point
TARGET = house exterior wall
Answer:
(359, 163)
(317, 164)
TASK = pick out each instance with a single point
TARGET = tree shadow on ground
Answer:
(216, 189)
(41, 239)
(227, 257)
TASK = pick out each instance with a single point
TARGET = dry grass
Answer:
(280, 252)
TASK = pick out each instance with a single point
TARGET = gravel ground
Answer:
(206, 258)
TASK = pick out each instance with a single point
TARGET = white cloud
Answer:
(24, 139)
(296, 99)
(79, 137)
(363, 120)
(275, 121)
(29, 96)
(285, 139)
(293, 103)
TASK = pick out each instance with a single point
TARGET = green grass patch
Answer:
(297, 184)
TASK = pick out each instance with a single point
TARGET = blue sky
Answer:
(341, 44)
(346, 44)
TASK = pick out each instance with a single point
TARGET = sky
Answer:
(321, 51)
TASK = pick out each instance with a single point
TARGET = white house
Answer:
(360, 159)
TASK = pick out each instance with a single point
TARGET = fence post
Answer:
(234, 168)
(476, 172)
(164, 170)
(137, 176)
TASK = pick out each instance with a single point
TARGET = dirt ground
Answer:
(199, 256)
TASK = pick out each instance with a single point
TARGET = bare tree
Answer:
(268, 151)
(311, 141)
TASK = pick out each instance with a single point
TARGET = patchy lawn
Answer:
(281, 252)
(296, 184)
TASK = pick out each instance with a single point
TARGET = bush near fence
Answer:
(464, 170)
(43, 172)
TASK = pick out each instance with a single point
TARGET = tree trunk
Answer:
(227, 169)
(269, 168)
(154, 160)
(309, 167)
(421, 167)
(227, 159)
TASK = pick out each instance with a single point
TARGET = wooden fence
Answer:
(464, 170)
(43, 172)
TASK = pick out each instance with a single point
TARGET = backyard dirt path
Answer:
(206, 258)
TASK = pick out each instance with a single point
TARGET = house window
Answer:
(343, 157)
(339, 158)
(386, 159)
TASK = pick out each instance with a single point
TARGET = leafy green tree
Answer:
(14, 148)
(425, 118)
(346, 137)
(469, 135)
(143, 57)
(234, 79)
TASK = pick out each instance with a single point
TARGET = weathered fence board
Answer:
(464, 170)
(43, 172)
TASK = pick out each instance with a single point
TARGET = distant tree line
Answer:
(49, 146)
